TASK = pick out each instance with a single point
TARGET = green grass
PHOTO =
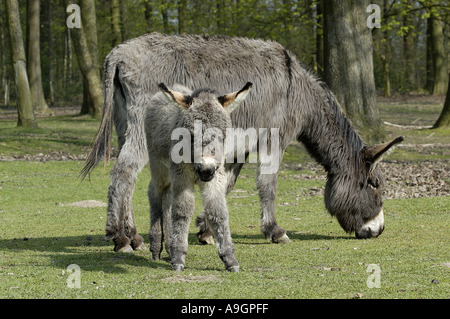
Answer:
(69, 134)
(40, 235)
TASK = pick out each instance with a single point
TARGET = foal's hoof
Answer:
(178, 267)
(233, 269)
(282, 240)
(125, 249)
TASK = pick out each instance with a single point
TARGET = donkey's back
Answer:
(222, 61)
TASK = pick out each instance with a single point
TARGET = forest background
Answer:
(409, 52)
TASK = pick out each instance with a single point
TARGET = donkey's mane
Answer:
(330, 138)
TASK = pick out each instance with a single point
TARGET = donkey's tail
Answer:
(101, 146)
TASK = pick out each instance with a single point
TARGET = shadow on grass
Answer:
(91, 253)
(94, 253)
(293, 236)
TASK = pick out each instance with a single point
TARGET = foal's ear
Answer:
(179, 99)
(373, 154)
(232, 100)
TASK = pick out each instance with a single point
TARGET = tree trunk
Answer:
(24, 105)
(92, 43)
(34, 58)
(409, 69)
(85, 45)
(429, 60)
(385, 56)
(439, 56)
(220, 16)
(67, 65)
(48, 28)
(115, 22)
(148, 14)
(318, 65)
(181, 8)
(4, 80)
(348, 64)
(124, 19)
(444, 118)
(165, 16)
(386, 80)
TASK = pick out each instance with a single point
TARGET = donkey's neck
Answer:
(328, 135)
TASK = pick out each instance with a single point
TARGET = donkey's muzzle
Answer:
(372, 228)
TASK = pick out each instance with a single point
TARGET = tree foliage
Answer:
(404, 57)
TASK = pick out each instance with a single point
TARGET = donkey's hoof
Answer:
(205, 238)
(125, 249)
(156, 256)
(208, 240)
(233, 269)
(178, 267)
(282, 240)
(142, 247)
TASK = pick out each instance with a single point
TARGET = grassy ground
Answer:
(42, 232)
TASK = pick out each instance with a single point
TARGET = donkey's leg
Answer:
(216, 213)
(137, 242)
(205, 232)
(267, 189)
(121, 183)
(183, 206)
(120, 226)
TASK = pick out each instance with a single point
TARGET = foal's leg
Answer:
(156, 215)
(167, 218)
(158, 191)
(120, 226)
(216, 213)
(183, 206)
(267, 189)
(205, 232)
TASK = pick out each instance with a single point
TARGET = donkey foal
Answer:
(200, 118)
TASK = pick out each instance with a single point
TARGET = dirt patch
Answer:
(402, 179)
(41, 157)
(191, 279)
(11, 113)
(407, 180)
(412, 99)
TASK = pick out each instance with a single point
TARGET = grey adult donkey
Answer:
(201, 119)
(285, 96)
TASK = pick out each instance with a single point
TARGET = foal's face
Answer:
(207, 122)
(206, 116)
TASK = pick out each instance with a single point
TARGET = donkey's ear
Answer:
(373, 154)
(177, 98)
(232, 100)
